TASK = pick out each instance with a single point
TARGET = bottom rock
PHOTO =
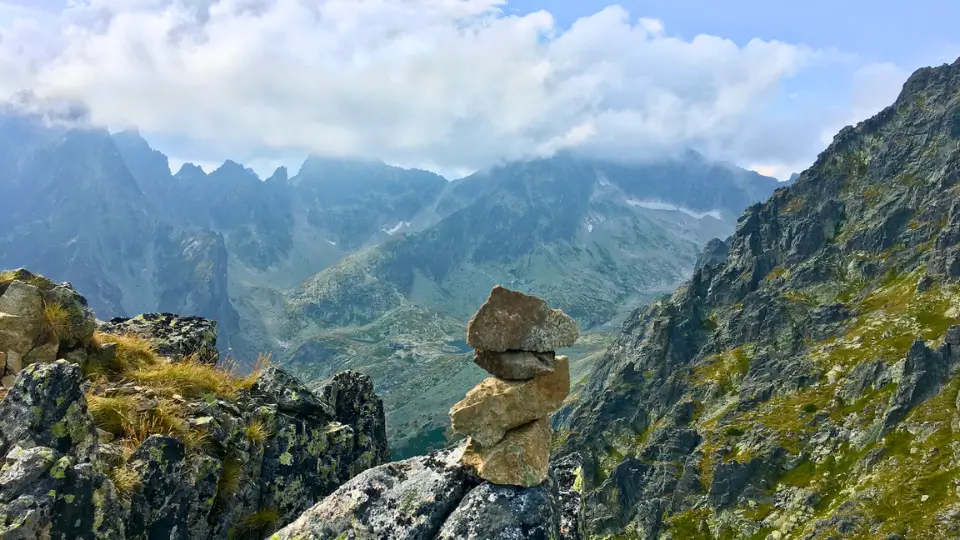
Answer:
(492, 512)
(521, 458)
(404, 500)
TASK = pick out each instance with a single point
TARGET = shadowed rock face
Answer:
(515, 365)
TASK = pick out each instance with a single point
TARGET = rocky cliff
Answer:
(130, 429)
(803, 383)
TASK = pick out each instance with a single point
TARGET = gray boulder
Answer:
(492, 512)
(405, 500)
(276, 385)
(46, 408)
(437, 497)
(513, 321)
(51, 485)
(21, 319)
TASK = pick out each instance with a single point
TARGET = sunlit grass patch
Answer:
(133, 352)
(56, 321)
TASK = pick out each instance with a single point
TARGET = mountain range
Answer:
(357, 264)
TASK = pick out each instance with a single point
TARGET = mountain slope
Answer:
(802, 383)
(580, 233)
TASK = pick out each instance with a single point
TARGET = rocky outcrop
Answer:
(354, 403)
(128, 458)
(492, 512)
(174, 336)
(53, 484)
(804, 382)
(40, 321)
(506, 419)
(404, 500)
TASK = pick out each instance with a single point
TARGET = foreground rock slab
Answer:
(405, 500)
(515, 365)
(495, 405)
(434, 497)
(522, 458)
(492, 512)
(513, 321)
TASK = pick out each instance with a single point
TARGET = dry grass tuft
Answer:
(125, 480)
(112, 414)
(247, 381)
(257, 432)
(189, 378)
(229, 482)
(133, 352)
(257, 523)
(56, 321)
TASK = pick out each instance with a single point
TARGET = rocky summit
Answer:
(173, 336)
(497, 485)
(130, 429)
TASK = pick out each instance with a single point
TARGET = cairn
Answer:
(506, 416)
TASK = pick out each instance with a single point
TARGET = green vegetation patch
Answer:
(916, 479)
(726, 369)
(890, 319)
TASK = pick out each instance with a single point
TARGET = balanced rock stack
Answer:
(507, 416)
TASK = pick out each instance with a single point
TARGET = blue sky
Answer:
(454, 85)
(908, 33)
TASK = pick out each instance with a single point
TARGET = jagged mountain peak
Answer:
(323, 168)
(279, 176)
(190, 171)
(232, 171)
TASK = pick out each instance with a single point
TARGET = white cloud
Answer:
(458, 84)
(874, 87)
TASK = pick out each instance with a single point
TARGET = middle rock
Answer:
(495, 406)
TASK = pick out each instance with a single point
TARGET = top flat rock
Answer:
(513, 321)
